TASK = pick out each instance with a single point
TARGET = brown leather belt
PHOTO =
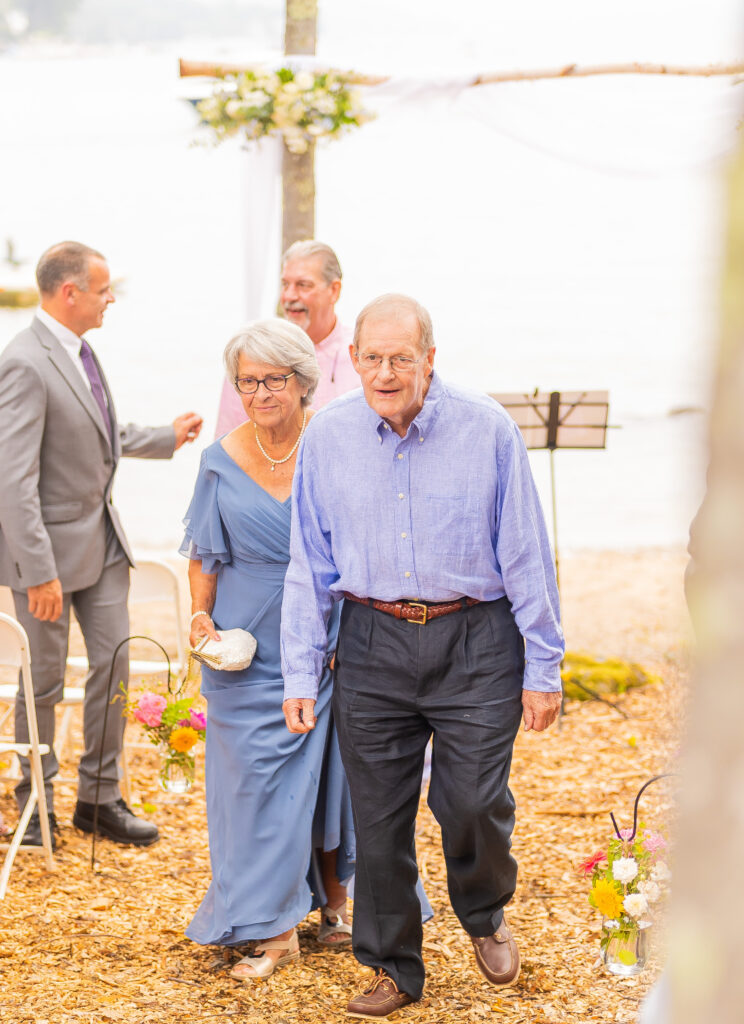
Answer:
(418, 612)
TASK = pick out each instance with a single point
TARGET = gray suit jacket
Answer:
(57, 466)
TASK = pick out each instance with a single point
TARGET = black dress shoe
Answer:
(32, 836)
(117, 822)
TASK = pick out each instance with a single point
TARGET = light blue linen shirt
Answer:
(449, 510)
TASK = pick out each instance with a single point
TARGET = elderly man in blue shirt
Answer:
(414, 500)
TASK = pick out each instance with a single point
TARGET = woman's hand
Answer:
(202, 626)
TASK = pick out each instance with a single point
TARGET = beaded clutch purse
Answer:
(233, 652)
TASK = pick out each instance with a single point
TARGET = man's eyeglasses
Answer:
(371, 361)
(274, 382)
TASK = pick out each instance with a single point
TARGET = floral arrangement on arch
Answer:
(171, 723)
(301, 106)
(629, 879)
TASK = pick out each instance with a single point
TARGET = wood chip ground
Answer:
(84, 946)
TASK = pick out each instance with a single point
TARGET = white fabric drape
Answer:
(262, 216)
(262, 219)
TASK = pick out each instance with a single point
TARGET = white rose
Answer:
(304, 80)
(660, 872)
(325, 104)
(269, 83)
(290, 88)
(256, 98)
(624, 869)
(295, 140)
(635, 904)
(650, 890)
(209, 108)
(234, 109)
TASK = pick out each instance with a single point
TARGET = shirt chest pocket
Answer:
(454, 525)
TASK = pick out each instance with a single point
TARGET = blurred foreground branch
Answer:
(706, 936)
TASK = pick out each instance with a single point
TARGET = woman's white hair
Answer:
(277, 343)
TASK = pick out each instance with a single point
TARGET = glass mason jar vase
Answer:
(176, 771)
(625, 950)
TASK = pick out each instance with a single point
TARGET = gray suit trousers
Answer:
(101, 611)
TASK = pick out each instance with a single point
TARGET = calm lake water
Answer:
(564, 236)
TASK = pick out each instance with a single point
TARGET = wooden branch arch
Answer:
(191, 68)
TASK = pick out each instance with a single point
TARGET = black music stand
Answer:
(559, 419)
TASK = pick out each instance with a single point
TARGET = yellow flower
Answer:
(183, 738)
(606, 898)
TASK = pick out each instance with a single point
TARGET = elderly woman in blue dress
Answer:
(280, 828)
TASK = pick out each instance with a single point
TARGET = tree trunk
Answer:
(298, 169)
(706, 936)
(300, 26)
(298, 196)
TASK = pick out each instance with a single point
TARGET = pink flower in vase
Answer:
(197, 720)
(149, 709)
(654, 842)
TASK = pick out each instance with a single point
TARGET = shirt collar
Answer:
(425, 420)
(63, 334)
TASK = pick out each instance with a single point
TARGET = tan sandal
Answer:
(331, 923)
(264, 966)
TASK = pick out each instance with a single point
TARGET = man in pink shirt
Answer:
(310, 287)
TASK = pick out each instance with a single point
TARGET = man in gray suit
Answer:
(61, 542)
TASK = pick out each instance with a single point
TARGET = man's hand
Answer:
(539, 709)
(187, 428)
(299, 714)
(45, 601)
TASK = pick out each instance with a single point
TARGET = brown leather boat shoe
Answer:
(380, 999)
(497, 956)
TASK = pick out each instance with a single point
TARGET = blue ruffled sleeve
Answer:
(205, 537)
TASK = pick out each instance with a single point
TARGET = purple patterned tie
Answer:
(96, 385)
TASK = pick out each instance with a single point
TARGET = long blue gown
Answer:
(272, 797)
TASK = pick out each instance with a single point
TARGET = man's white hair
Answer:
(330, 268)
(395, 305)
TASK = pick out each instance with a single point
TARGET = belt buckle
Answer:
(419, 604)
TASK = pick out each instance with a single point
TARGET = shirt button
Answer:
(400, 456)
(407, 575)
(421, 440)
(401, 495)
(404, 534)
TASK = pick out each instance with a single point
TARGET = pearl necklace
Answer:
(278, 462)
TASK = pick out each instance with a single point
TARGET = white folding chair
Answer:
(152, 581)
(72, 696)
(7, 690)
(14, 653)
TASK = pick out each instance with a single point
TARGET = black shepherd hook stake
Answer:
(103, 731)
(645, 786)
